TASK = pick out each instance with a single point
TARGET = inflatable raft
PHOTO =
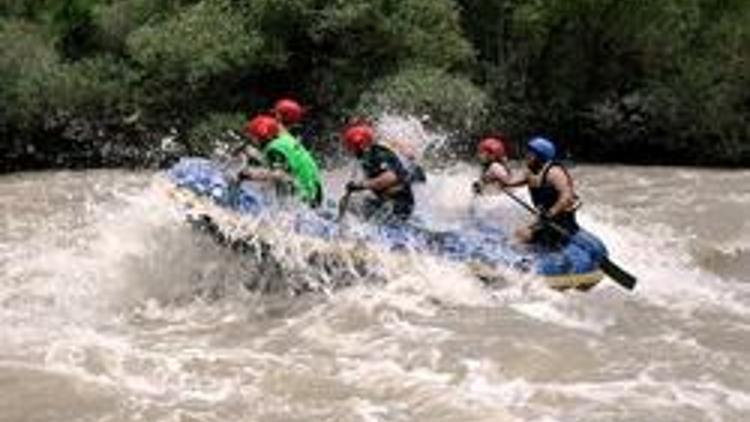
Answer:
(216, 204)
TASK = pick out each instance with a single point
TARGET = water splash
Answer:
(99, 304)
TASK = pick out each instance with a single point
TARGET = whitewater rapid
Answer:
(105, 314)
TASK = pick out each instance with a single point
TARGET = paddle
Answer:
(622, 277)
(343, 205)
(344, 201)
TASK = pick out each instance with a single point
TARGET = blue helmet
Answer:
(543, 148)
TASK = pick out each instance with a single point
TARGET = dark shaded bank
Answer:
(655, 152)
(78, 155)
(85, 145)
(639, 146)
(82, 145)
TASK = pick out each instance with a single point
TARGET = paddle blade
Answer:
(622, 277)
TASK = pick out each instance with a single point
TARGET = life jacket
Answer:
(545, 195)
(378, 159)
(300, 164)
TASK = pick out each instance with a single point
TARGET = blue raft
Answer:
(576, 265)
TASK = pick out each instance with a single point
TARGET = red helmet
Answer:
(493, 147)
(358, 137)
(263, 128)
(288, 111)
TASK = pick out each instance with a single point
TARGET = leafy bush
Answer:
(203, 45)
(116, 20)
(429, 33)
(618, 80)
(622, 80)
(92, 87)
(21, 8)
(457, 105)
(27, 62)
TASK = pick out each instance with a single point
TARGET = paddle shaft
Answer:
(343, 205)
(344, 201)
(622, 277)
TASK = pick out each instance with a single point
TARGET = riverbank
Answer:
(140, 148)
(99, 149)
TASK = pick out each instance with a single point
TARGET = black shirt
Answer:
(379, 159)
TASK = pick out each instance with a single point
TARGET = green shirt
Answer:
(287, 153)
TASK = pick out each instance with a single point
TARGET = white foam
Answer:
(407, 133)
(660, 258)
(99, 304)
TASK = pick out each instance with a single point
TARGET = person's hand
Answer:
(476, 187)
(281, 176)
(243, 175)
(545, 217)
(354, 186)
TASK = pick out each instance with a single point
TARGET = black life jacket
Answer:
(379, 159)
(546, 195)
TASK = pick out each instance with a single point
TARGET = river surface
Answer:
(98, 323)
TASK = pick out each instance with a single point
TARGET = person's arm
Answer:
(264, 174)
(275, 170)
(566, 198)
(497, 173)
(244, 148)
(391, 173)
(251, 154)
(518, 180)
(381, 182)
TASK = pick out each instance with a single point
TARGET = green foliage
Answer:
(70, 22)
(27, 62)
(202, 43)
(623, 79)
(429, 33)
(38, 85)
(391, 31)
(696, 80)
(117, 19)
(207, 136)
(615, 79)
(91, 87)
(458, 104)
(21, 8)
